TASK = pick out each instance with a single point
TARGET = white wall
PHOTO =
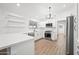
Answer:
(4, 24)
(76, 33)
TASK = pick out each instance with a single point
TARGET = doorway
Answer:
(61, 36)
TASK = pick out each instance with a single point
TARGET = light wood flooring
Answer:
(47, 47)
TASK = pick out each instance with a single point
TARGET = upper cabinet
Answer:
(33, 23)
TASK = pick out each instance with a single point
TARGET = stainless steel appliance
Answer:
(49, 25)
(70, 35)
(48, 34)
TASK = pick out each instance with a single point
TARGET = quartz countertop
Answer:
(7, 40)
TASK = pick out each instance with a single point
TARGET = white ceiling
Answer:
(39, 10)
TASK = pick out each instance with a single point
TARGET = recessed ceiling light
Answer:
(18, 4)
(64, 5)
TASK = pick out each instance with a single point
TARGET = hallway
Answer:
(47, 47)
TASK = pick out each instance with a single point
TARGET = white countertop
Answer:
(7, 40)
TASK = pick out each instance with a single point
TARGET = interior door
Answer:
(61, 31)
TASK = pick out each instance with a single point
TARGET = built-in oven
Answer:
(47, 34)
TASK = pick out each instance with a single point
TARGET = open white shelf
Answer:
(16, 26)
(15, 23)
(15, 20)
(15, 15)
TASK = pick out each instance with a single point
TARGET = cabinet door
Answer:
(39, 34)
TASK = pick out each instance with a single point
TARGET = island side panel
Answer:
(24, 48)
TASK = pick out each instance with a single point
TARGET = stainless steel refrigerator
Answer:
(70, 35)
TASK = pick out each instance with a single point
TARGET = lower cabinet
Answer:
(39, 34)
(23, 48)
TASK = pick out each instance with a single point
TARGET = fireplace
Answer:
(48, 34)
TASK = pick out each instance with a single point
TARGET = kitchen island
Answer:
(19, 43)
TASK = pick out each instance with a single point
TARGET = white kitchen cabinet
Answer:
(23, 48)
(41, 24)
(38, 34)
